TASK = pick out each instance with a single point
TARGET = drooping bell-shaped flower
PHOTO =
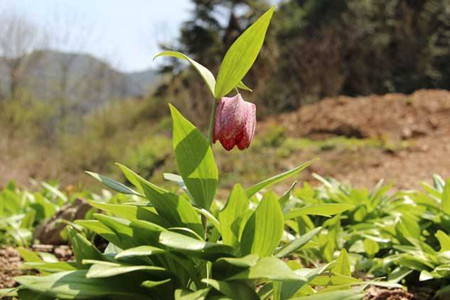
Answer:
(235, 122)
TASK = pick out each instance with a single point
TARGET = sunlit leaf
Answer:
(206, 74)
(195, 160)
(264, 229)
(275, 179)
(242, 54)
(325, 210)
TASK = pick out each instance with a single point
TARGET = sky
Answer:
(126, 33)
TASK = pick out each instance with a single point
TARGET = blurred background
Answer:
(362, 84)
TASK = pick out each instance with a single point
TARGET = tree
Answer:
(18, 38)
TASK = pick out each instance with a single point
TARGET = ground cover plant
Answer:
(184, 243)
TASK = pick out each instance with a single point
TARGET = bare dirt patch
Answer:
(421, 121)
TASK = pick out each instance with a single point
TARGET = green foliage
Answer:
(159, 247)
(241, 55)
(21, 211)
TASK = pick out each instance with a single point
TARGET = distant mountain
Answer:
(82, 80)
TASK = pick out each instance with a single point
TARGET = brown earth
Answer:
(9, 267)
(10, 261)
(421, 121)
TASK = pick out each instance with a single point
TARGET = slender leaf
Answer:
(182, 243)
(114, 185)
(206, 74)
(232, 290)
(242, 54)
(270, 268)
(75, 285)
(106, 270)
(82, 248)
(176, 210)
(445, 204)
(297, 243)
(325, 210)
(275, 179)
(140, 251)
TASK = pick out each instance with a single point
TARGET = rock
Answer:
(50, 232)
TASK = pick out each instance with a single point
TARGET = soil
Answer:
(414, 128)
(9, 267)
(377, 293)
(10, 261)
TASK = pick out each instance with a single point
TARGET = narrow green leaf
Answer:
(241, 262)
(334, 295)
(334, 279)
(195, 160)
(188, 245)
(82, 248)
(176, 210)
(325, 210)
(270, 268)
(242, 54)
(232, 290)
(445, 204)
(275, 179)
(140, 251)
(8, 293)
(189, 295)
(342, 265)
(242, 86)
(206, 74)
(131, 212)
(150, 284)
(111, 270)
(286, 196)
(209, 216)
(52, 267)
(297, 243)
(114, 185)
(100, 229)
(178, 180)
(28, 255)
(75, 285)
(264, 229)
(231, 215)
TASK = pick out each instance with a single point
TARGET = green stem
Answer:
(211, 122)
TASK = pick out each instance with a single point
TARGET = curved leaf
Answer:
(206, 74)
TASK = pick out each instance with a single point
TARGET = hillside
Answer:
(411, 134)
(85, 80)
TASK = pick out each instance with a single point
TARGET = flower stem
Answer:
(211, 122)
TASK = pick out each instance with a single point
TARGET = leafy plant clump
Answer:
(189, 245)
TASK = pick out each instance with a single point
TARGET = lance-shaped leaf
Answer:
(325, 210)
(268, 268)
(342, 265)
(231, 215)
(264, 229)
(176, 210)
(275, 179)
(75, 285)
(195, 160)
(297, 243)
(206, 74)
(114, 185)
(242, 54)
